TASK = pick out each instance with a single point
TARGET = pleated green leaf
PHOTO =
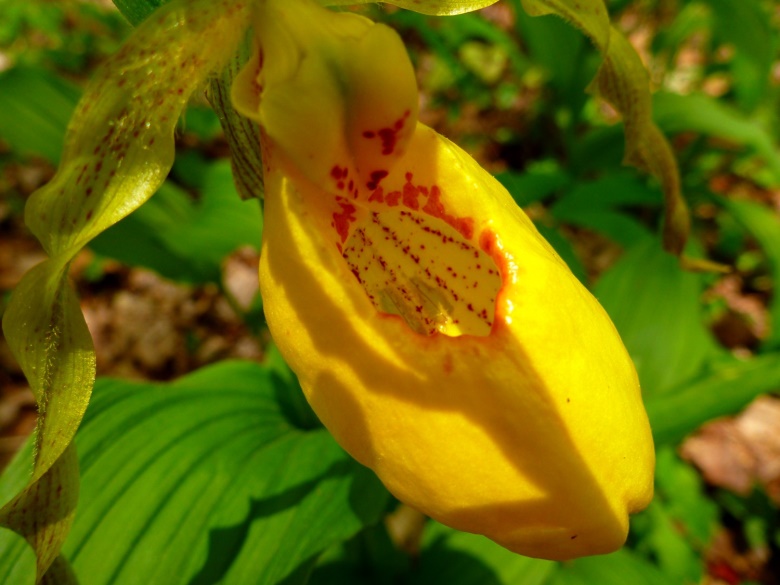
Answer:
(118, 149)
(206, 480)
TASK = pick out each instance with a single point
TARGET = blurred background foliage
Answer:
(201, 462)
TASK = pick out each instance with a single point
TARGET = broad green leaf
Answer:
(619, 227)
(118, 150)
(682, 489)
(205, 480)
(623, 81)
(614, 190)
(656, 308)
(460, 558)
(535, 183)
(764, 225)
(619, 568)
(370, 557)
(149, 231)
(724, 391)
(680, 522)
(601, 149)
(591, 205)
(182, 239)
(664, 540)
(701, 113)
(35, 107)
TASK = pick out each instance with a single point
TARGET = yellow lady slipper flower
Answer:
(437, 335)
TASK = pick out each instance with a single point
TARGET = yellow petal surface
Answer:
(434, 331)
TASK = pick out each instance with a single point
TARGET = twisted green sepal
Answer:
(241, 133)
(432, 7)
(119, 149)
(624, 82)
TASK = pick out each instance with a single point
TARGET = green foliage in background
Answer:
(225, 476)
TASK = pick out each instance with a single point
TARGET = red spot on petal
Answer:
(435, 208)
(393, 198)
(377, 195)
(343, 218)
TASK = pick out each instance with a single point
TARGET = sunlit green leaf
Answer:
(117, 152)
(535, 183)
(205, 480)
(593, 205)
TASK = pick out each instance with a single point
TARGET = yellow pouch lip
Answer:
(444, 382)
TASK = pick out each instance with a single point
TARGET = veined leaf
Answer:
(205, 480)
(118, 150)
